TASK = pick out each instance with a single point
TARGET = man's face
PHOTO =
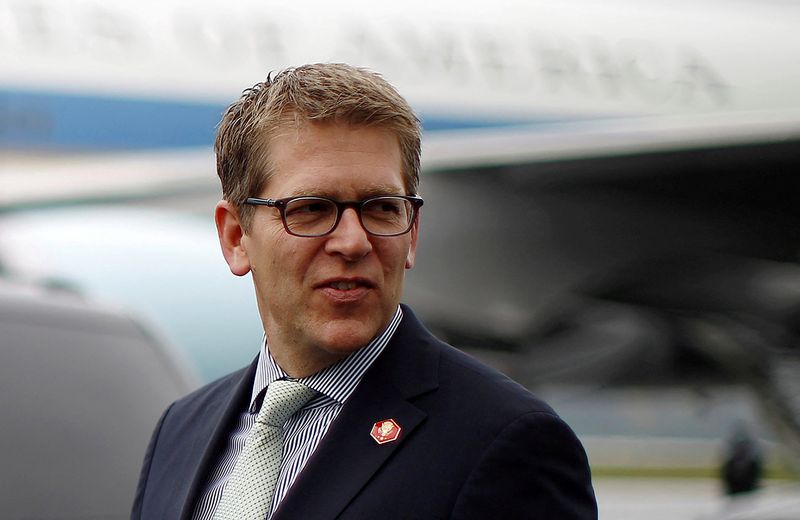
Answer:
(323, 298)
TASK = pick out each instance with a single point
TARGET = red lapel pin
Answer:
(385, 431)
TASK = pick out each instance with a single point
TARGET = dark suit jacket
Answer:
(473, 445)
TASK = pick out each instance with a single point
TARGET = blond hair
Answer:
(321, 92)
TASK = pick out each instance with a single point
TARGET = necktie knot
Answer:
(282, 400)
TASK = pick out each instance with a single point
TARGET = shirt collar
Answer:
(336, 382)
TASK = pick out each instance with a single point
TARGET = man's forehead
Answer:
(295, 155)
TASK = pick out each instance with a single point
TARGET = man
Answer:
(319, 168)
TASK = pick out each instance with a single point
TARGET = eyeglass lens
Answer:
(380, 216)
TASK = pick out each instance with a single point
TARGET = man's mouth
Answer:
(344, 286)
(346, 290)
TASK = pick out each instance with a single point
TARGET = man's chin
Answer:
(343, 337)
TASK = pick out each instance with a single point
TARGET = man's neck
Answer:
(297, 363)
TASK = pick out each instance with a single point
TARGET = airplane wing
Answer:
(517, 147)
(590, 150)
(28, 180)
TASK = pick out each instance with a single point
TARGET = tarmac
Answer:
(693, 499)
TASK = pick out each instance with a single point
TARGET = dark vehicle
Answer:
(166, 267)
(81, 389)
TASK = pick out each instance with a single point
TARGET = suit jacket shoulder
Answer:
(473, 444)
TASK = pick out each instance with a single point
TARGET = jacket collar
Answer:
(407, 369)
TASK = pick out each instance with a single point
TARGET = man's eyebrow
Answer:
(383, 189)
(377, 190)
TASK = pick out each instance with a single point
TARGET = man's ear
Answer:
(412, 249)
(231, 232)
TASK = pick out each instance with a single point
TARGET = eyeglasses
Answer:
(317, 216)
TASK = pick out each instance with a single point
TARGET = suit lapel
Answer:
(347, 457)
(215, 432)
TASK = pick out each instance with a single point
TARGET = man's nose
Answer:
(349, 239)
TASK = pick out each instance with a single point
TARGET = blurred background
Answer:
(610, 219)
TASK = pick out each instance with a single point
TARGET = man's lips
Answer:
(346, 290)
(346, 284)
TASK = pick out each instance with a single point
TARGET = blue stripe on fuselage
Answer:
(76, 122)
(42, 120)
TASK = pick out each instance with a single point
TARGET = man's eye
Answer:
(307, 207)
(390, 207)
(385, 209)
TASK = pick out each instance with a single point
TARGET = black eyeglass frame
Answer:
(341, 206)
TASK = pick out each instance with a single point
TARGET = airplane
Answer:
(629, 169)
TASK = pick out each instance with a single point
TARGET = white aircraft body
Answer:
(510, 81)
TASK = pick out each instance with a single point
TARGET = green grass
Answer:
(771, 473)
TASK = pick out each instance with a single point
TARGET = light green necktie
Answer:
(249, 490)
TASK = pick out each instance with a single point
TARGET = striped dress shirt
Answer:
(304, 430)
